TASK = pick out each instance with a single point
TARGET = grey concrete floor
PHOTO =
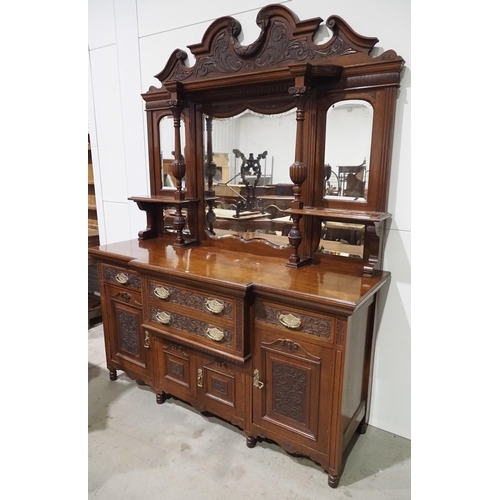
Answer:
(145, 451)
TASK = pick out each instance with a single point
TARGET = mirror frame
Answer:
(283, 67)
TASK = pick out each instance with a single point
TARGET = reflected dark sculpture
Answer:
(250, 166)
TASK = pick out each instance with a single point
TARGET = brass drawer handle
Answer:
(199, 380)
(161, 292)
(146, 339)
(215, 334)
(214, 306)
(290, 321)
(122, 278)
(163, 317)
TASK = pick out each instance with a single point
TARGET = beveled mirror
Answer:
(252, 153)
(348, 140)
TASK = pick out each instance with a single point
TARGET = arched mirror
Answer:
(167, 147)
(251, 153)
(349, 126)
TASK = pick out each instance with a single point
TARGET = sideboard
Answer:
(267, 331)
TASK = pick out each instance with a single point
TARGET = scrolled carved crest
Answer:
(283, 40)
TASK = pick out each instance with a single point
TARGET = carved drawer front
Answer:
(290, 319)
(196, 331)
(121, 277)
(217, 307)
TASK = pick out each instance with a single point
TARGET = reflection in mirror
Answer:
(169, 219)
(167, 147)
(338, 238)
(347, 150)
(252, 153)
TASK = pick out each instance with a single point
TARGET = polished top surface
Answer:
(237, 269)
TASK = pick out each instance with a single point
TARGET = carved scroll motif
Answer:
(289, 391)
(133, 280)
(310, 324)
(129, 332)
(276, 45)
(191, 300)
(190, 325)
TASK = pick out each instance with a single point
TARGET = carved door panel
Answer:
(292, 391)
(127, 345)
(221, 388)
(176, 369)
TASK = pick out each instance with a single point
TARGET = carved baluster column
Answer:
(178, 168)
(298, 174)
(210, 170)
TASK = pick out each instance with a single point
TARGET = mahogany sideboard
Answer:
(267, 331)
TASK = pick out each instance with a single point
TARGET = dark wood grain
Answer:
(289, 356)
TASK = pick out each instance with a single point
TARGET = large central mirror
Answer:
(348, 139)
(252, 153)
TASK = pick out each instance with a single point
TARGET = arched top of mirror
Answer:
(348, 138)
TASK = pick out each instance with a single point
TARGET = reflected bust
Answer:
(252, 153)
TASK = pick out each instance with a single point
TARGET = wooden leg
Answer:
(140, 382)
(363, 425)
(251, 442)
(161, 397)
(112, 375)
(333, 481)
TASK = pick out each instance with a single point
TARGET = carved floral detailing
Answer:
(128, 331)
(340, 332)
(310, 324)
(289, 391)
(298, 91)
(190, 325)
(219, 386)
(288, 345)
(176, 368)
(133, 280)
(231, 57)
(190, 299)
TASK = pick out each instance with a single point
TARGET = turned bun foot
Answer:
(112, 375)
(362, 427)
(333, 481)
(161, 397)
(251, 442)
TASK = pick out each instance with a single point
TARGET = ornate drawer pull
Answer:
(256, 382)
(163, 317)
(122, 278)
(290, 321)
(214, 306)
(161, 293)
(215, 334)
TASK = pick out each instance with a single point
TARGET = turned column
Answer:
(178, 168)
(298, 174)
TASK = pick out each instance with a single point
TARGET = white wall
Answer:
(131, 40)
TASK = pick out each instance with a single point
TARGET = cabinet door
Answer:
(175, 369)
(221, 388)
(125, 338)
(292, 391)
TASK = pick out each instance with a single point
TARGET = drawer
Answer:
(283, 318)
(217, 307)
(192, 328)
(121, 277)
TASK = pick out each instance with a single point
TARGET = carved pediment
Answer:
(283, 40)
